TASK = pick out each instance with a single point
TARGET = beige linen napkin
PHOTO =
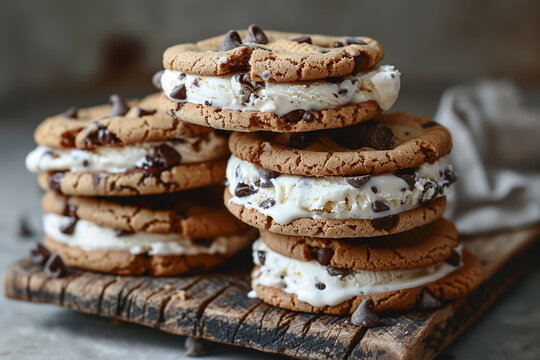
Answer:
(496, 154)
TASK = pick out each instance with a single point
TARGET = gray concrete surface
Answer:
(509, 330)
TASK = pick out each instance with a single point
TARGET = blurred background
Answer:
(59, 53)
(90, 48)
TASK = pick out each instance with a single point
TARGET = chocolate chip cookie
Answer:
(310, 286)
(286, 83)
(125, 148)
(158, 235)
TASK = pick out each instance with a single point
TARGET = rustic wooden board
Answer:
(215, 307)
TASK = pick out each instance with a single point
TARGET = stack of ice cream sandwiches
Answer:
(348, 200)
(131, 190)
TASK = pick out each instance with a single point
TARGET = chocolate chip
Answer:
(430, 192)
(230, 41)
(359, 63)
(69, 228)
(165, 157)
(55, 267)
(426, 300)
(206, 242)
(323, 256)
(301, 140)
(378, 206)
(168, 155)
(256, 35)
(265, 184)
(266, 176)
(71, 113)
(454, 259)
(179, 92)
(408, 175)
(122, 232)
(156, 79)
(102, 136)
(262, 257)
(385, 223)
(294, 116)
(335, 271)
(207, 103)
(195, 347)
(372, 134)
(245, 79)
(24, 229)
(244, 190)
(365, 315)
(39, 254)
(337, 44)
(374, 189)
(119, 107)
(358, 181)
(85, 163)
(55, 180)
(450, 176)
(348, 40)
(268, 203)
(303, 39)
(142, 112)
(334, 79)
(378, 136)
(429, 124)
(248, 86)
(343, 92)
(320, 286)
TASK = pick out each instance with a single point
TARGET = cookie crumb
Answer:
(365, 315)
(55, 266)
(181, 295)
(24, 229)
(39, 254)
(427, 301)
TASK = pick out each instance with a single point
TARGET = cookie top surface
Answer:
(197, 213)
(275, 56)
(387, 143)
(119, 123)
(420, 247)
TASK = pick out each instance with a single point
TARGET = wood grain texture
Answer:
(215, 307)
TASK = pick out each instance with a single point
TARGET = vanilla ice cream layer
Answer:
(118, 159)
(312, 283)
(90, 236)
(333, 197)
(232, 92)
